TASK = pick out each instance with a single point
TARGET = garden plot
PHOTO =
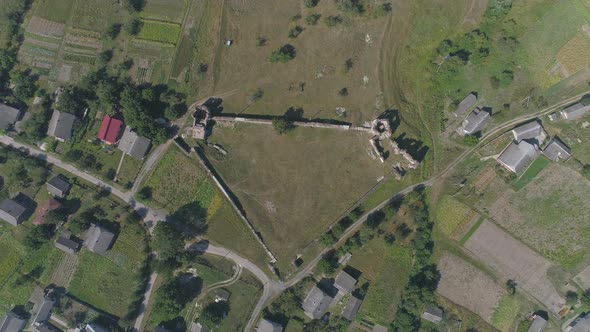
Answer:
(164, 10)
(43, 27)
(453, 217)
(575, 54)
(551, 214)
(153, 60)
(465, 285)
(513, 260)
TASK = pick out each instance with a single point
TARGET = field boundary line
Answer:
(472, 231)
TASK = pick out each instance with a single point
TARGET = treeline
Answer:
(424, 277)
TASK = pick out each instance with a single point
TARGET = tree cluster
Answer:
(284, 54)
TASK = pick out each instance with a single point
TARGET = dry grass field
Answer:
(313, 79)
(465, 285)
(575, 54)
(513, 260)
(551, 214)
(293, 186)
(452, 216)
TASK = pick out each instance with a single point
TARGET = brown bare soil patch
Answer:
(513, 260)
(43, 27)
(465, 285)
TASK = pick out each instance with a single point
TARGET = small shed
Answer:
(556, 150)
(344, 282)
(538, 325)
(98, 239)
(65, 243)
(466, 104)
(351, 308)
(221, 295)
(433, 314)
(574, 112)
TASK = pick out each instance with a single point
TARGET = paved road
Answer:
(144, 304)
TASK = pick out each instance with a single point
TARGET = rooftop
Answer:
(351, 308)
(11, 211)
(98, 239)
(574, 111)
(109, 129)
(476, 121)
(8, 116)
(316, 303)
(556, 150)
(133, 144)
(528, 130)
(11, 323)
(60, 185)
(61, 125)
(432, 314)
(344, 282)
(466, 104)
(517, 156)
(538, 324)
(268, 326)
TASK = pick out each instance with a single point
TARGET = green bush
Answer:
(332, 20)
(310, 3)
(282, 125)
(312, 19)
(354, 6)
(284, 54)
(296, 31)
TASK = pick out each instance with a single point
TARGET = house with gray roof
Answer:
(344, 282)
(93, 327)
(9, 116)
(316, 303)
(58, 186)
(134, 145)
(268, 326)
(538, 324)
(12, 212)
(528, 131)
(580, 324)
(465, 104)
(432, 314)
(11, 322)
(475, 122)
(98, 239)
(517, 156)
(197, 327)
(66, 244)
(574, 112)
(221, 295)
(44, 327)
(41, 313)
(61, 125)
(556, 150)
(351, 308)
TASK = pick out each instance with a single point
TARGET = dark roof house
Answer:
(556, 150)
(66, 244)
(475, 122)
(268, 326)
(580, 324)
(42, 310)
(432, 314)
(58, 186)
(11, 322)
(9, 116)
(344, 282)
(530, 130)
(574, 111)
(134, 145)
(61, 125)
(12, 212)
(316, 303)
(98, 239)
(538, 324)
(466, 104)
(351, 308)
(110, 129)
(517, 156)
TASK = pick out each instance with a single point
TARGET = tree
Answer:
(310, 3)
(213, 314)
(145, 193)
(113, 30)
(470, 140)
(167, 241)
(38, 236)
(571, 298)
(261, 41)
(71, 101)
(312, 19)
(133, 27)
(332, 20)
(56, 216)
(107, 93)
(282, 125)
(511, 285)
(343, 92)
(173, 296)
(105, 56)
(284, 54)
(328, 264)
(134, 5)
(586, 171)
(296, 31)
(354, 6)
(81, 223)
(382, 9)
(24, 85)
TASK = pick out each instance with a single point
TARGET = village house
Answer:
(532, 131)
(351, 308)
(201, 117)
(41, 312)
(574, 112)
(267, 326)
(556, 150)
(66, 244)
(432, 314)
(344, 282)
(221, 295)
(110, 129)
(93, 327)
(538, 324)
(580, 324)
(316, 303)
(12, 212)
(61, 125)
(466, 104)
(517, 156)
(197, 327)
(11, 322)
(58, 186)
(9, 116)
(134, 145)
(98, 239)
(475, 122)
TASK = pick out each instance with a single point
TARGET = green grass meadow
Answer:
(534, 169)
(161, 32)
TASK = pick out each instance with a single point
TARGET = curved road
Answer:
(272, 288)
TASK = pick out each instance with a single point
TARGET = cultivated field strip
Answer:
(65, 270)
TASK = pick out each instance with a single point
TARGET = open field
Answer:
(386, 289)
(506, 312)
(575, 54)
(165, 10)
(513, 260)
(95, 14)
(293, 186)
(159, 32)
(452, 216)
(58, 11)
(316, 74)
(466, 286)
(550, 214)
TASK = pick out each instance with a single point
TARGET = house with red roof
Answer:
(110, 129)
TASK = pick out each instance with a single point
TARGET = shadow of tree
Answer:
(414, 147)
